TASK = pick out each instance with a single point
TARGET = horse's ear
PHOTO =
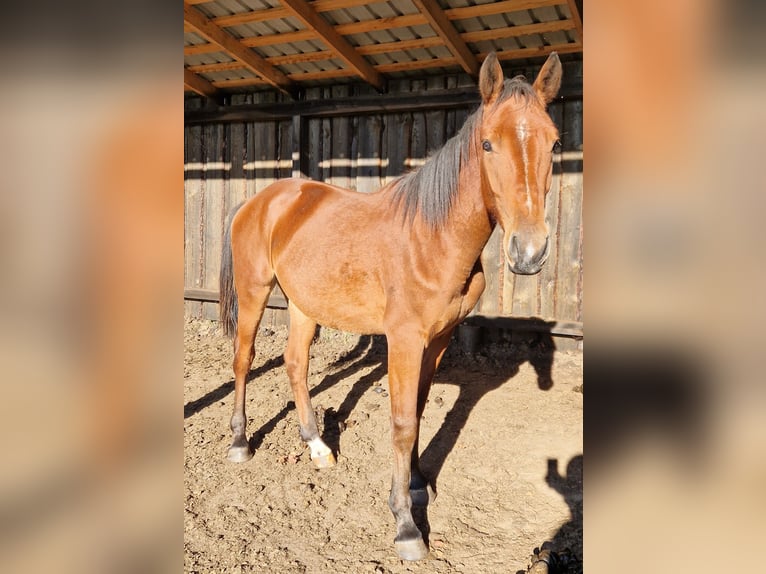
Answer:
(490, 79)
(548, 81)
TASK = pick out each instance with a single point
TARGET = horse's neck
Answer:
(471, 219)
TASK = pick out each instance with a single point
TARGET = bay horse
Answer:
(403, 262)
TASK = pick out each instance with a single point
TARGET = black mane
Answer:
(431, 189)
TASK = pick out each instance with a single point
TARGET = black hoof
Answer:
(414, 549)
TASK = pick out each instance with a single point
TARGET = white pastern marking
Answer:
(523, 134)
(318, 448)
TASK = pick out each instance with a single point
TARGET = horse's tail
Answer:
(228, 294)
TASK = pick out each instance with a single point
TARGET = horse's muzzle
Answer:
(526, 257)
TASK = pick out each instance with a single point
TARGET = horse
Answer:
(403, 262)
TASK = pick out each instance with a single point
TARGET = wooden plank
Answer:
(237, 50)
(276, 301)
(491, 8)
(492, 262)
(409, 66)
(460, 98)
(516, 31)
(534, 52)
(236, 189)
(368, 176)
(446, 31)
(192, 214)
(435, 130)
(568, 296)
(326, 142)
(400, 46)
(297, 138)
(311, 148)
(216, 67)
(278, 13)
(340, 161)
(335, 42)
(388, 47)
(199, 84)
(212, 238)
(419, 142)
(576, 18)
(319, 56)
(409, 20)
(196, 49)
(548, 275)
(266, 166)
(286, 38)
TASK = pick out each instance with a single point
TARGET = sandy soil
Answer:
(501, 434)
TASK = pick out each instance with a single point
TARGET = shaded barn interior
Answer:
(359, 121)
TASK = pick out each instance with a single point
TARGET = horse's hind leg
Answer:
(297, 364)
(251, 305)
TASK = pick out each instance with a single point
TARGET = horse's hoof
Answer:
(422, 496)
(239, 454)
(324, 461)
(414, 549)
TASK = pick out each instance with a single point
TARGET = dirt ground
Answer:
(501, 435)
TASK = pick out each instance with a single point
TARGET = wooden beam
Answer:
(576, 17)
(409, 66)
(405, 21)
(286, 38)
(446, 31)
(516, 31)
(401, 45)
(211, 296)
(533, 52)
(195, 49)
(237, 50)
(217, 67)
(199, 84)
(491, 8)
(419, 101)
(336, 42)
(277, 13)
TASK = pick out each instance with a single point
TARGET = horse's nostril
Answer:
(514, 247)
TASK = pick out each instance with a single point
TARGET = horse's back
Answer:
(324, 245)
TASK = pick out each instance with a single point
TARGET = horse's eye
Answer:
(486, 145)
(557, 146)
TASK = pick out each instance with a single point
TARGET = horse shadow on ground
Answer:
(496, 361)
(562, 554)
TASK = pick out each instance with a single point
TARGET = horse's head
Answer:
(517, 138)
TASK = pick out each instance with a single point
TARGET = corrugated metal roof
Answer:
(367, 39)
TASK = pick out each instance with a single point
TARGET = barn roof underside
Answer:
(245, 45)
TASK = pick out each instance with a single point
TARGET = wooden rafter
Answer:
(276, 13)
(576, 17)
(408, 66)
(199, 84)
(376, 24)
(236, 49)
(336, 42)
(446, 31)
(401, 45)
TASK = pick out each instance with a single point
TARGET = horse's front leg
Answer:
(421, 490)
(405, 357)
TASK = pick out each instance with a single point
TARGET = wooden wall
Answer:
(226, 163)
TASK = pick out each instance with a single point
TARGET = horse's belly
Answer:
(336, 297)
(339, 312)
